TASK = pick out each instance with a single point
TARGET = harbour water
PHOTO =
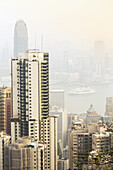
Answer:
(81, 103)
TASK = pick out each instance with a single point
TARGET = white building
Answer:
(30, 93)
(49, 138)
(61, 123)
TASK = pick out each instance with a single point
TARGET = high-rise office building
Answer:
(5, 109)
(49, 138)
(20, 38)
(30, 93)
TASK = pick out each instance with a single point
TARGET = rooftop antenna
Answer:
(91, 99)
(35, 41)
(42, 42)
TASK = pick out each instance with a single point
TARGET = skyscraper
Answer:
(99, 56)
(20, 38)
(30, 93)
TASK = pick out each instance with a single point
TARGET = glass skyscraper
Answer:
(20, 38)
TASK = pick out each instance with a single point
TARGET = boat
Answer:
(82, 90)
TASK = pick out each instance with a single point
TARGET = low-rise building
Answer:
(101, 142)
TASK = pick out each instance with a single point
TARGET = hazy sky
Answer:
(76, 23)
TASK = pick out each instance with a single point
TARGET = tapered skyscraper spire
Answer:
(20, 38)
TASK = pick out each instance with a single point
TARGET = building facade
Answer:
(25, 155)
(80, 143)
(61, 123)
(5, 109)
(49, 138)
(4, 140)
(92, 116)
(101, 142)
(30, 93)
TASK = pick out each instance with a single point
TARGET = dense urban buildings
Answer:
(25, 154)
(20, 38)
(43, 134)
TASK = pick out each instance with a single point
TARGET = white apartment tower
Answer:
(30, 93)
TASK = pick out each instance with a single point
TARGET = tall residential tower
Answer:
(30, 93)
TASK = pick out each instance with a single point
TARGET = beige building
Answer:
(4, 140)
(63, 164)
(101, 142)
(80, 143)
(30, 93)
(5, 93)
(97, 127)
(92, 116)
(49, 138)
(25, 155)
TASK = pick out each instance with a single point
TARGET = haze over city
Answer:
(70, 25)
(56, 85)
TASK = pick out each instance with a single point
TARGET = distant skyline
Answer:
(20, 38)
(76, 23)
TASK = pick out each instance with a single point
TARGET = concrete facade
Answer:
(30, 93)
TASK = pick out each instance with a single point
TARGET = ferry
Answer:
(82, 90)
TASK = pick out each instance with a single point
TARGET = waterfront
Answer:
(81, 103)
